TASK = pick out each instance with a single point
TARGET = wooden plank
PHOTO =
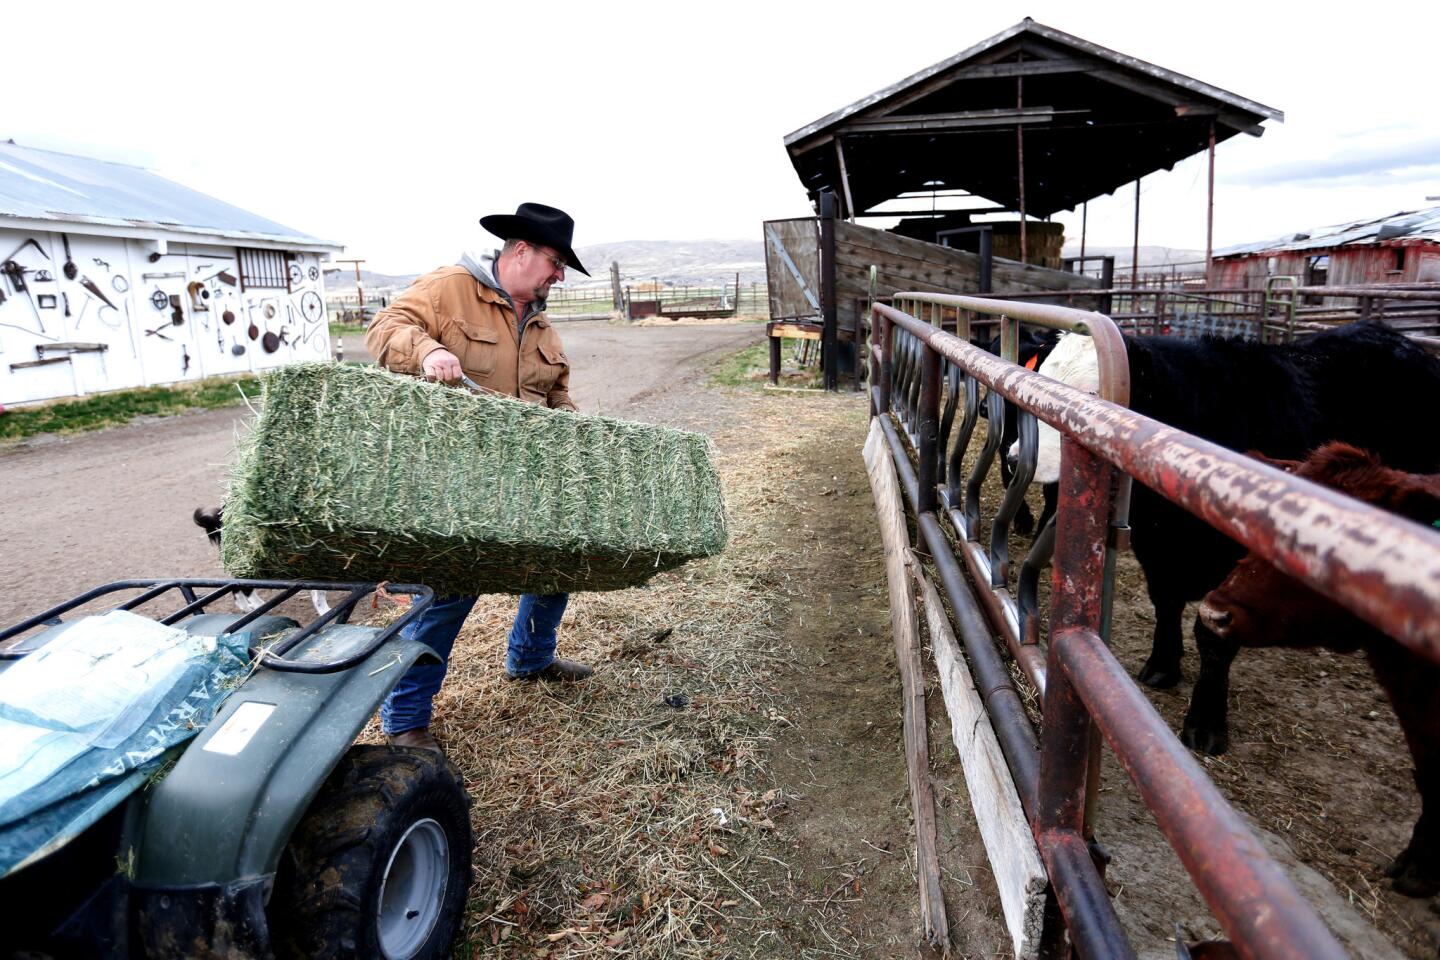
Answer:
(886, 489)
(795, 331)
(941, 123)
(1025, 68)
(1014, 859)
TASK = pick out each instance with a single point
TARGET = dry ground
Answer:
(730, 783)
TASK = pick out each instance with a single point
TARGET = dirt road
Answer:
(89, 509)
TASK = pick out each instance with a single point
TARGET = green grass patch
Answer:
(346, 330)
(751, 367)
(112, 409)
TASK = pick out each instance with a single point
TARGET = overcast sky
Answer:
(392, 127)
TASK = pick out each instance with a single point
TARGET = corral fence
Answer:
(1278, 312)
(925, 395)
(660, 300)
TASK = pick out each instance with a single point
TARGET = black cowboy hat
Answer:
(537, 223)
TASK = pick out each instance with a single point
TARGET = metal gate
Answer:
(921, 378)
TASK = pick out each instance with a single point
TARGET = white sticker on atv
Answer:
(236, 733)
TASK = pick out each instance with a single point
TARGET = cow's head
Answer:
(1072, 362)
(1257, 605)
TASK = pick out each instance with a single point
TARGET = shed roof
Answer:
(42, 185)
(1094, 119)
(1406, 225)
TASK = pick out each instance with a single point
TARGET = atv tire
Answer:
(380, 864)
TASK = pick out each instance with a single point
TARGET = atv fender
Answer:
(223, 814)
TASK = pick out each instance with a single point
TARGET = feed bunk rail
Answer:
(1384, 569)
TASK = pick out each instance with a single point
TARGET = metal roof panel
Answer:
(45, 185)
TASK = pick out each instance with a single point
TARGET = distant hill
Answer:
(341, 280)
(1150, 256)
(696, 262)
(674, 262)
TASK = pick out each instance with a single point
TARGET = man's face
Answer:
(538, 268)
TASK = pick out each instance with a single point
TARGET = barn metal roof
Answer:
(1094, 120)
(42, 185)
(1405, 225)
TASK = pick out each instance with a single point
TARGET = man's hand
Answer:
(441, 365)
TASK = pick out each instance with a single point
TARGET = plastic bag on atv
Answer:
(86, 719)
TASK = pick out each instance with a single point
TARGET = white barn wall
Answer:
(143, 347)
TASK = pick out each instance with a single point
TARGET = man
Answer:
(484, 318)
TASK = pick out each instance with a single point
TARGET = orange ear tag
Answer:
(1032, 362)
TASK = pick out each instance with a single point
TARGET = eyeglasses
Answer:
(555, 262)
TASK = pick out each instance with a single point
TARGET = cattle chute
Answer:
(1390, 576)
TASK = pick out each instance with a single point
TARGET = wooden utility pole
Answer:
(615, 292)
(359, 290)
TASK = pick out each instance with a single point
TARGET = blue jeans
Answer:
(531, 648)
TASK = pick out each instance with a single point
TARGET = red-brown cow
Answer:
(1257, 606)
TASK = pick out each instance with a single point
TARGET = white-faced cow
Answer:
(1035, 345)
(1362, 383)
(1257, 606)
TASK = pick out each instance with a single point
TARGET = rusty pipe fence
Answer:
(1384, 569)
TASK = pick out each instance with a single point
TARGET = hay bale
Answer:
(354, 474)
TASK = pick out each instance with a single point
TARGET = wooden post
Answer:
(1020, 158)
(1135, 252)
(1210, 211)
(615, 286)
(845, 182)
(830, 350)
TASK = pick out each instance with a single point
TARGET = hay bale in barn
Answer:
(354, 474)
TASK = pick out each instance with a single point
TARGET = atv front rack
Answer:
(272, 655)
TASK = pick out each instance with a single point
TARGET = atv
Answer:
(235, 817)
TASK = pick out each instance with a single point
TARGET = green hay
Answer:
(354, 474)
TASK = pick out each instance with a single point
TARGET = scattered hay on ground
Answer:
(625, 815)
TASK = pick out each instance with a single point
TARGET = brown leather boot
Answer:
(416, 739)
(560, 671)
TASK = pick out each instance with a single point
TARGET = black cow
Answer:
(1362, 383)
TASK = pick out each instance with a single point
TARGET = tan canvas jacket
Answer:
(449, 308)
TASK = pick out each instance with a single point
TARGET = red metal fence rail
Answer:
(1384, 569)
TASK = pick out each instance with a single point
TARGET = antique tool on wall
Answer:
(89, 284)
(312, 308)
(119, 283)
(159, 300)
(42, 276)
(65, 297)
(238, 349)
(16, 273)
(156, 332)
(47, 301)
(70, 270)
(162, 276)
(199, 296)
(177, 313)
(228, 317)
(184, 359)
(225, 277)
(101, 263)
